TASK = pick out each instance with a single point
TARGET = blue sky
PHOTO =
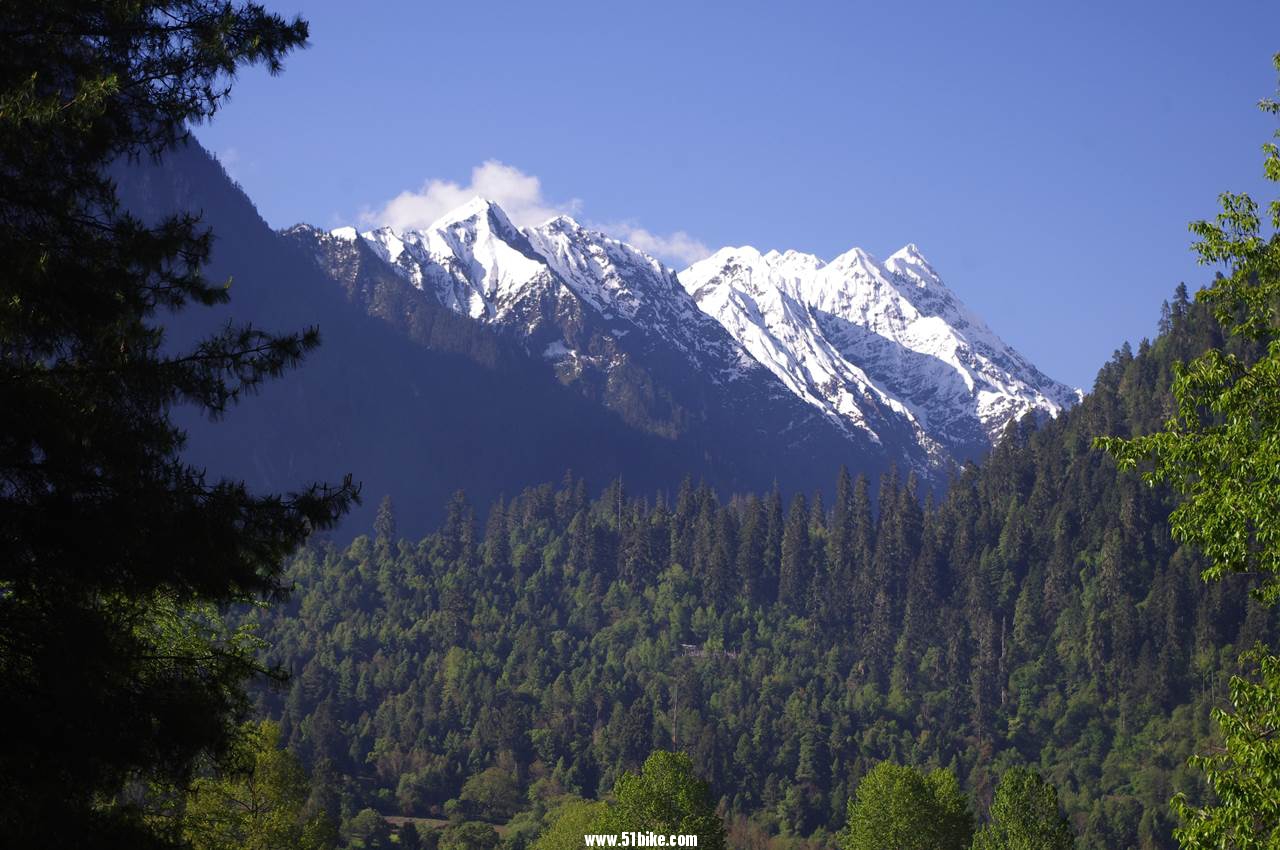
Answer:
(1046, 157)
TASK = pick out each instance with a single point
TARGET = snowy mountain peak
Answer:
(908, 262)
(473, 259)
(797, 262)
(855, 264)
(561, 222)
(743, 253)
(476, 209)
(909, 252)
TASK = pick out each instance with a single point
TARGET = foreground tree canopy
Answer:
(664, 797)
(258, 803)
(113, 552)
(1025, 816)
(902, 808)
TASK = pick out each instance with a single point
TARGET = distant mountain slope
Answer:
(416, 400)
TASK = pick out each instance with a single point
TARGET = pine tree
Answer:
(497, 545)
(772, 544)
(751, 540)
(794, 570)
(384, 524)
(114, 553)
(837, 584)
(721, 574)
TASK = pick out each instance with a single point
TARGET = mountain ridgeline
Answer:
(1038, 614)
(881, 355)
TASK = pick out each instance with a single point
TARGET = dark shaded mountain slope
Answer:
(415, 401)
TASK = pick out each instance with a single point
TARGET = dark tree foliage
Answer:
(114, 553)
(1040, 615)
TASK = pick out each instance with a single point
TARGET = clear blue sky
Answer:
(1046, 157)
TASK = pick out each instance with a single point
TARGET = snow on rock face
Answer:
(765, 315)
(857, 328)
(473, 259)
(634, 290)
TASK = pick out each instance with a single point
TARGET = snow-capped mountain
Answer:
(856, 331)
(549, 281)
(611, 321)
(880, 358)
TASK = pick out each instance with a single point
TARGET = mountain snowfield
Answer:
(882, 351)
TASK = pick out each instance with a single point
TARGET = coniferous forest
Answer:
(1039, 614)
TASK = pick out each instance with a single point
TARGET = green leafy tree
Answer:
(470, 835)
(1245, 773)
(492, 793)
(569, 822)
(1221, 451)
(1221, 447)
(369, 830)
(1025, 816)
(902, 808)
(257, 802)
(113, 551)
(666, 797)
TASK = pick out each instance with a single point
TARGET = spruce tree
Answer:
(794, 569)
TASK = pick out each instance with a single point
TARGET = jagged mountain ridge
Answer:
(609, 320)
(884, 352)
(857, 328)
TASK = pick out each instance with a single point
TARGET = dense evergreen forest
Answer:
(1039, 614)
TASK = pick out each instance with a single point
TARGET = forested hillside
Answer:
(1040, 614)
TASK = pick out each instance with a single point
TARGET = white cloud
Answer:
(677, 248)
(520, 196)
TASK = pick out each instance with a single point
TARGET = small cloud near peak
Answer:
(520, 196)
